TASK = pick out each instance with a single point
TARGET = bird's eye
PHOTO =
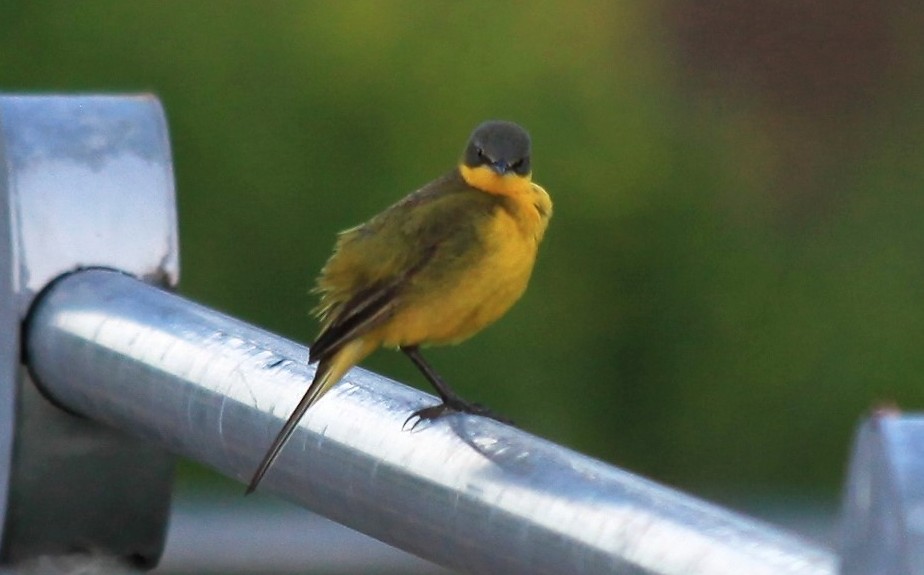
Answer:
(480, 152)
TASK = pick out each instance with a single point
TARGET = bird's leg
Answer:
(452, 401)
(446, 393)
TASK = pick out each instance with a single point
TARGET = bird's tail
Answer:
(329, 372)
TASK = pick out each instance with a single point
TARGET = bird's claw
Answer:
(434, 412)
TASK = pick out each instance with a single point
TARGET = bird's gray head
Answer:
(501, 146)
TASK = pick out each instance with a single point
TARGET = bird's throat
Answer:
(487, 180)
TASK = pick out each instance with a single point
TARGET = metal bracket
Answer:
(882, 521)
(85, 181)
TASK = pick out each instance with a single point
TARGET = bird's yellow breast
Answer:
(531, 205)
(489, 285)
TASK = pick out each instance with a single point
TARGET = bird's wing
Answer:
(366, 309)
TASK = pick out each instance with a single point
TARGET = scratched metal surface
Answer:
(465, 492)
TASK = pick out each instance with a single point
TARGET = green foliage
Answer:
(729, 282)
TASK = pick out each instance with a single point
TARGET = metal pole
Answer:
(466, 492)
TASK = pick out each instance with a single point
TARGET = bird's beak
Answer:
(500, 166)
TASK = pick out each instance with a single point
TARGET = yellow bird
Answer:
(434, 268)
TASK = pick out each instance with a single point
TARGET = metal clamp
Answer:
(85, 181)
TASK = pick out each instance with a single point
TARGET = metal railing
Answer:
(465, 492)
(113, 373)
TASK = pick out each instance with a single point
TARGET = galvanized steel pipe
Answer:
(464, 491)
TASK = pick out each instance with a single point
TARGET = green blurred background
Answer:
(732, 277)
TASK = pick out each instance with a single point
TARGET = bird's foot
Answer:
(450, 406)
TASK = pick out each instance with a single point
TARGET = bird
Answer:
(433, 269)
